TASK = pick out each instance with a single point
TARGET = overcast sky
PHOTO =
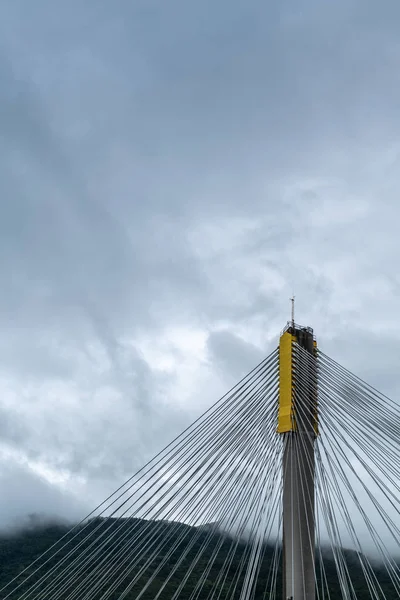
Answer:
(170, 173)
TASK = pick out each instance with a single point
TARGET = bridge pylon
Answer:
(298, 425)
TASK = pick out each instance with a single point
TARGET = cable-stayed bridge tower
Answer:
(297, 423)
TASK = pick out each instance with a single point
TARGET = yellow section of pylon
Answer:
(287, 383)
(285, 413)
(316, 429)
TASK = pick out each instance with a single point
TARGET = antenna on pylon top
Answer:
(292, 299)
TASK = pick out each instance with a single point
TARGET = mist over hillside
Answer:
(167, 568)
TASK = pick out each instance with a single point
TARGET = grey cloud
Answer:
(171, 165)
(232, 355)
(24, 493)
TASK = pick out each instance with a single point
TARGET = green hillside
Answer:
(17, 552)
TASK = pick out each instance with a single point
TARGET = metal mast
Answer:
(297, 422)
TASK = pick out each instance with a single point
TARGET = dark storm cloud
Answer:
(170, 174)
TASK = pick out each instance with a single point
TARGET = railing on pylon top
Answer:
(290, 325)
